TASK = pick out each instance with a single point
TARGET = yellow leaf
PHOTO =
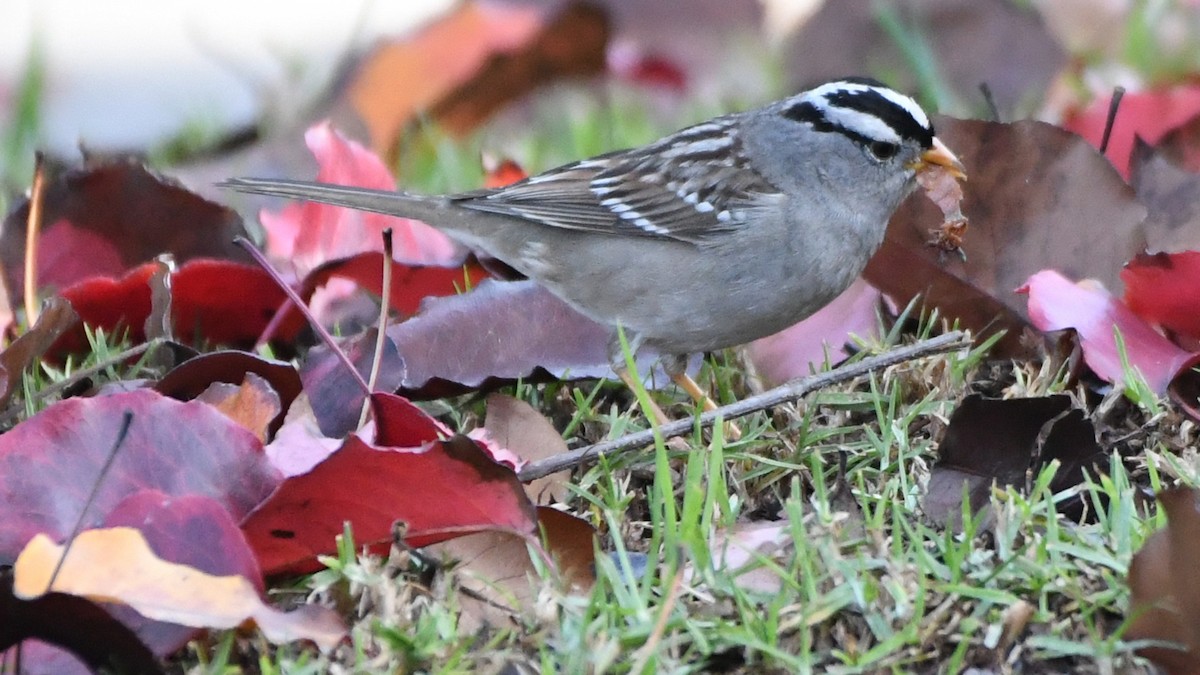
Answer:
(117, 565)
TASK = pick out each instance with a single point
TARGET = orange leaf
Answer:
(117, 565)
(433, 63)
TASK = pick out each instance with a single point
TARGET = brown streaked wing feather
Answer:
(635, 193)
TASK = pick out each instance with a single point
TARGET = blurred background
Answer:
(184, 82)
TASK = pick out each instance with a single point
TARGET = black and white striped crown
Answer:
(863, 109)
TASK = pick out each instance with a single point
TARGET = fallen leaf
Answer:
(439, 489)
(1148, 115)
(411, 284)
(299, 444)
(309, 234)
(1164, 593)
(103, 219)
(1180, 146)
(499, 173)
(213, 301)
(806, 347)
(477, 58)
(504, 330)
(519, 427)
(1055, 303)
(117, 565)
(63, 634)
(1038, 197)
(190, 378)
(990, 41)
(1087, 28)
(191, 530)
(501, 579)
(997, 442)
(432, 63)
(252, 404)
(741, 550)
(50, 462)
(571, 43)
(1172, 198)
(56, 317)
(1164, 289)
(335, 395)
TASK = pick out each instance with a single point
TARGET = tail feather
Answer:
(387, 202)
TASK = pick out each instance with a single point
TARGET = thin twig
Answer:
(312, 321)
(122, 432)
(1113, 106)
(79, 375)
(33, 226)
(385, 303)
(784, 393)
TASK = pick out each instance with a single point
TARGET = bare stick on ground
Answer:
(784, 393)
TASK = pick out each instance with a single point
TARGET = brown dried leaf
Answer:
(1172, 198)
(520, 428)
(990, 441)
(56, 318)
(1165, 592)
(1038, 197)
(500, 580)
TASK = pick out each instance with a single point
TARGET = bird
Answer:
(716, 235)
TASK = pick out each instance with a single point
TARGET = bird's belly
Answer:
(735, 307)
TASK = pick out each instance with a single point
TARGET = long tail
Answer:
(364, 199)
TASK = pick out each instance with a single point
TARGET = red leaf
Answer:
(226, 303)
(504, 172)
(650, 70)
(215, 301)
(103, 219)
(1055, 303)
(1146, 114)
(440, 489)
(107, 303)
(501, 331)
(400, 424)
(1164, 289)
(410, 283)
(49, 463)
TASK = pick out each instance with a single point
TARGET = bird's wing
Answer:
(673, 189)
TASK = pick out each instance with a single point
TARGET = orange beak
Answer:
(940, 155)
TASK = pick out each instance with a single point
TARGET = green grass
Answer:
(866, 584)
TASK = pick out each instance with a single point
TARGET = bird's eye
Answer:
(883, 150)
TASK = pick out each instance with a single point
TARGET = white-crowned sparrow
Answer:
(719, 234)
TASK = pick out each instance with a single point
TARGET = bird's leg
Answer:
(660, 417)
(616, 357)
(676, 367)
